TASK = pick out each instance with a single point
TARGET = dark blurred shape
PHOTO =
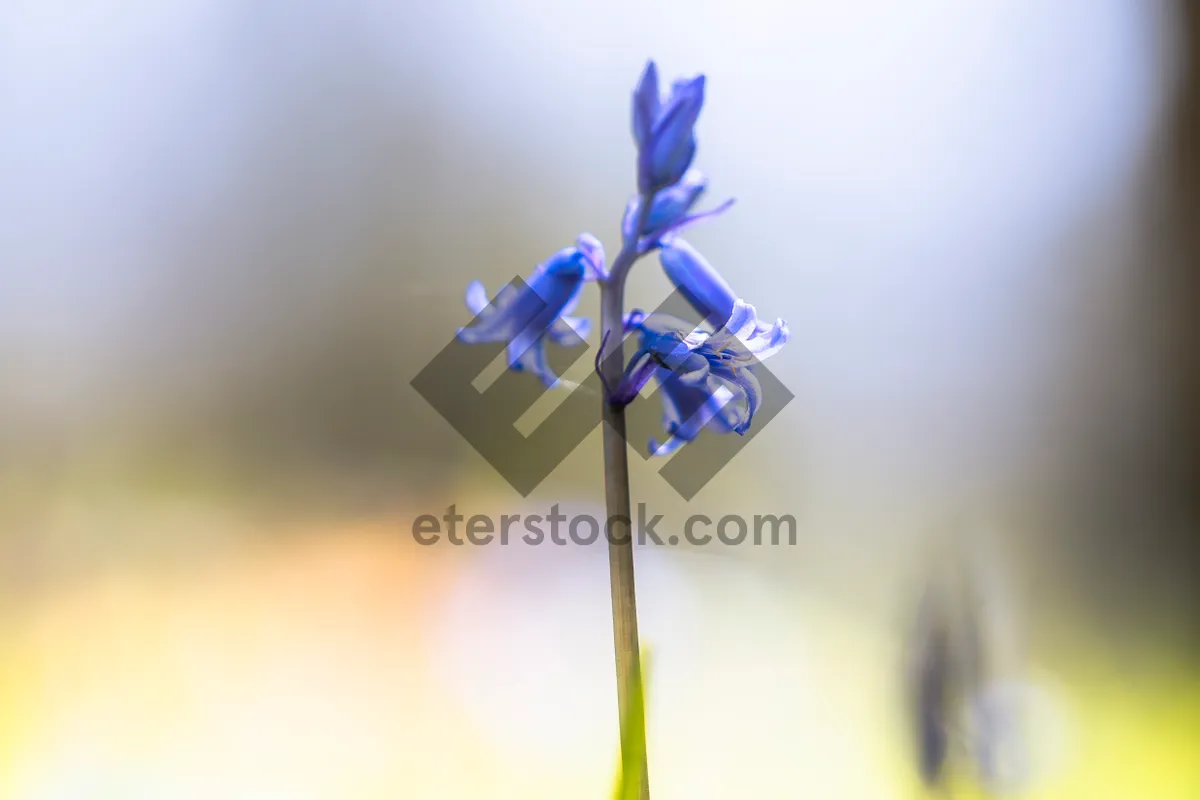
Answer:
(931, 677)
(1178, 281)
(1127, 502)
(966, 684)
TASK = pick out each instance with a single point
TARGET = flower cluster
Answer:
(706, 372)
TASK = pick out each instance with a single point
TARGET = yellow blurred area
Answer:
(310, 668)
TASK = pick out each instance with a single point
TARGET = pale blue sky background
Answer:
(917, 191)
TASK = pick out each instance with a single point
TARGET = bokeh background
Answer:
(232, 232)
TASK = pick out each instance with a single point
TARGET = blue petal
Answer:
(769, 341)
(568, 261)
(665, 234)
(727, 418)
(491, 324)
(742, 320)
(633, 320)
(659, 324)
(593, 254)
(640, 369)
(568, 330)
(671, 204)
(523, 316)
(477, 299)
(669, 211)
(696, 279)
(682, 109)
(672, 342)
(745, 335)
(559, 282)
(572, 301)
(671, 351)
(531, 358)
(645, 105)
(752, 390)
(674, 142)
(666, 163)
(693, 370)
(688, 408)
(630, 218)
(665, 449)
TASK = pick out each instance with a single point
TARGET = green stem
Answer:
(616, 494)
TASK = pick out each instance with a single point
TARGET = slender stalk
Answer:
(616, 495)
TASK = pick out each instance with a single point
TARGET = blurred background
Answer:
(232, 232)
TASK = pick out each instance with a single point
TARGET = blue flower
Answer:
(669, 211)
(698, 282)
(663, 129)
(525, 317)
(689, 409)
(706, 377)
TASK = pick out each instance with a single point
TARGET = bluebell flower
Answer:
(698, 282)
(528, 316)
(706, 377)
(689, 409)
(670, 211)
(663, 129)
